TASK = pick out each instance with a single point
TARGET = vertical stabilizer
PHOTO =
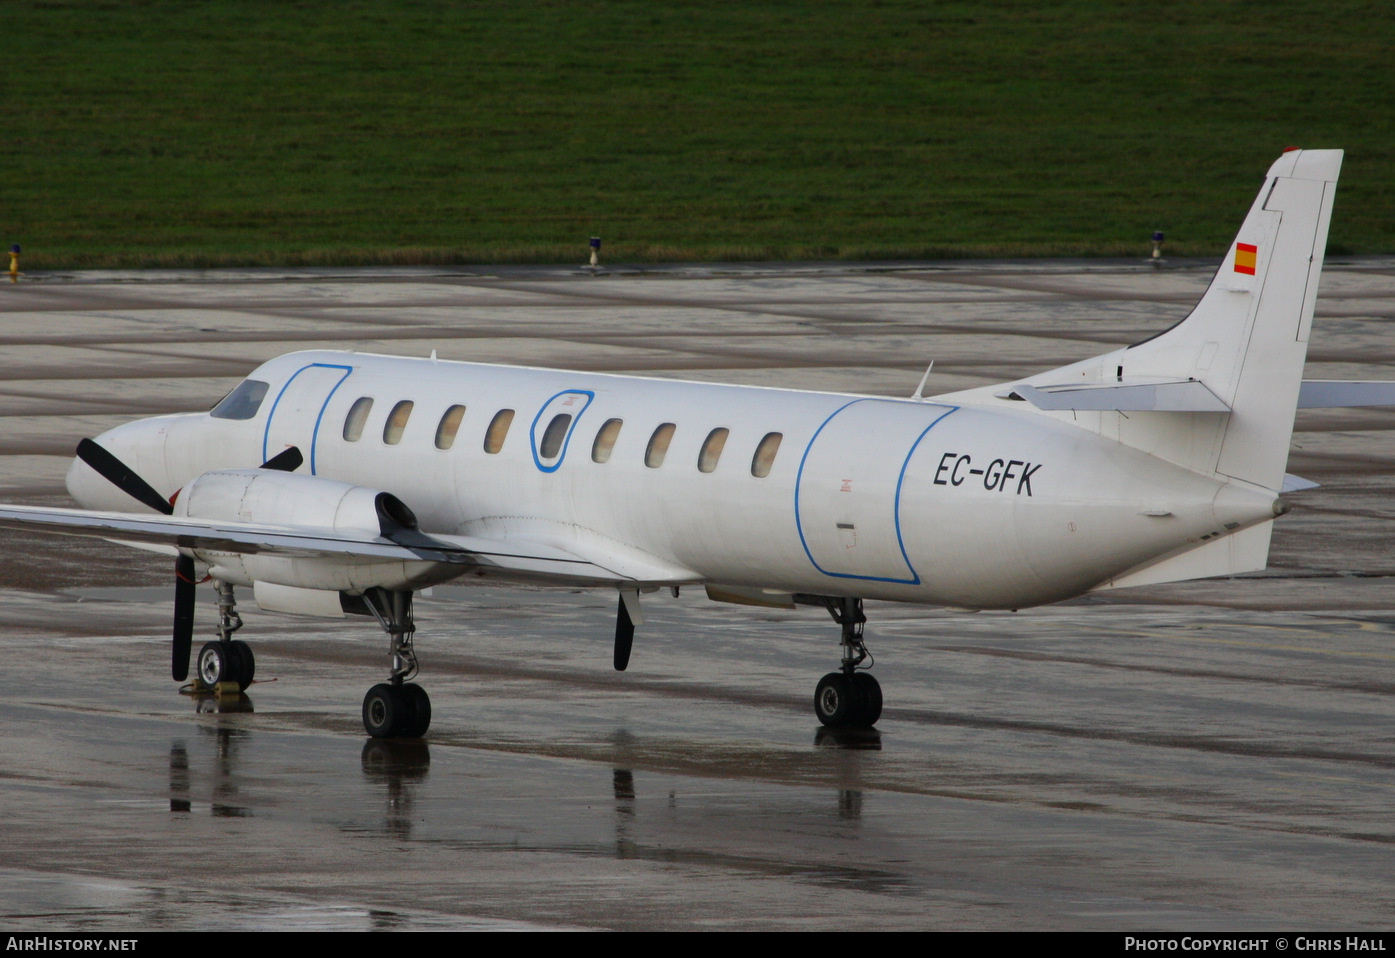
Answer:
(1247, 338)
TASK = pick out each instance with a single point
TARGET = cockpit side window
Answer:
(243, 402)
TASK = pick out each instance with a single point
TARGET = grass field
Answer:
(181, 133)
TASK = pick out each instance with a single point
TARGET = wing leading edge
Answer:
(515, 555)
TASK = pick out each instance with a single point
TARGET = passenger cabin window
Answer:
(765, 454)
(658, 445)
(712, 448)
(498, 430)
(396, 422)
(605, 440)
(552, 438)
(358, 415)
(243, 402)
(449, 426)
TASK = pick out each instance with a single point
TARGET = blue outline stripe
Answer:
(576, 420)
(896, 505)
(901, 478)
(315, 434)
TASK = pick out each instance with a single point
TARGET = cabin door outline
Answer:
(307, 392)
(847, 494)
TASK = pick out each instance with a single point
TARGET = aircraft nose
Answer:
(81, 482)
(140, 445)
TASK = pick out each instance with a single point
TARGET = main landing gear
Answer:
(396, 709)
(228, 659)
(848, 698)
(391, 709)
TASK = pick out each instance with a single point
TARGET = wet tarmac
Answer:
(1199, 756)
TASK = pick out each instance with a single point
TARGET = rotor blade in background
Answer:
(125, 478)
(183, 618)
(624, 637)
(287, 460)
(122, 476)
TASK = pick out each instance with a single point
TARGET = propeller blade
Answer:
(287, 460)
(183, 617)
(624, 637)
(122, 476)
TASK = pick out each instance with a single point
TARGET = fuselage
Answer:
(980, 506)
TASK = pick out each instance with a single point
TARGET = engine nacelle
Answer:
(292, 502)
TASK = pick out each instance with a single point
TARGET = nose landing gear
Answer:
(228, 659)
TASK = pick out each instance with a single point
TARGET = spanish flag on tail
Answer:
(1245, 255)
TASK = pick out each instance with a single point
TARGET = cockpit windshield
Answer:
(243, 402)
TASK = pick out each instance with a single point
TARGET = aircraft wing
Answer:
(582, 561)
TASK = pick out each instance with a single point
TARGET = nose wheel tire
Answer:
(393, 711)
(247, 664)
(841, 701)
(226, 662)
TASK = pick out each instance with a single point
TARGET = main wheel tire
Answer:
(869, 695)
(216, 663)
(385, 711)
(246, 663)
(420, 705)
(836, 700)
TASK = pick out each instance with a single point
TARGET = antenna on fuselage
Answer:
(918, 395)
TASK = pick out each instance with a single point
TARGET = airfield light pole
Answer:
(14, 263)
(595, 252)
(1157, 246)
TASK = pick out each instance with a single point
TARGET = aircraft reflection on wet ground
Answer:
(1202, 756)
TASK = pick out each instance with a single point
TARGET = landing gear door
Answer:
(297, 411)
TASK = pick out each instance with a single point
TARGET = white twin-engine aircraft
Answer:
(382, 475)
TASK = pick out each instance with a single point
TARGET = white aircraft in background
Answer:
(382, 475)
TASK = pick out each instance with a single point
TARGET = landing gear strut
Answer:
(228, 659)
(848, 698)
(396, 709)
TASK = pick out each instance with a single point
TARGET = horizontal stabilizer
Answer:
(1183, 395)
(1294, 483)
(1336, 394)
